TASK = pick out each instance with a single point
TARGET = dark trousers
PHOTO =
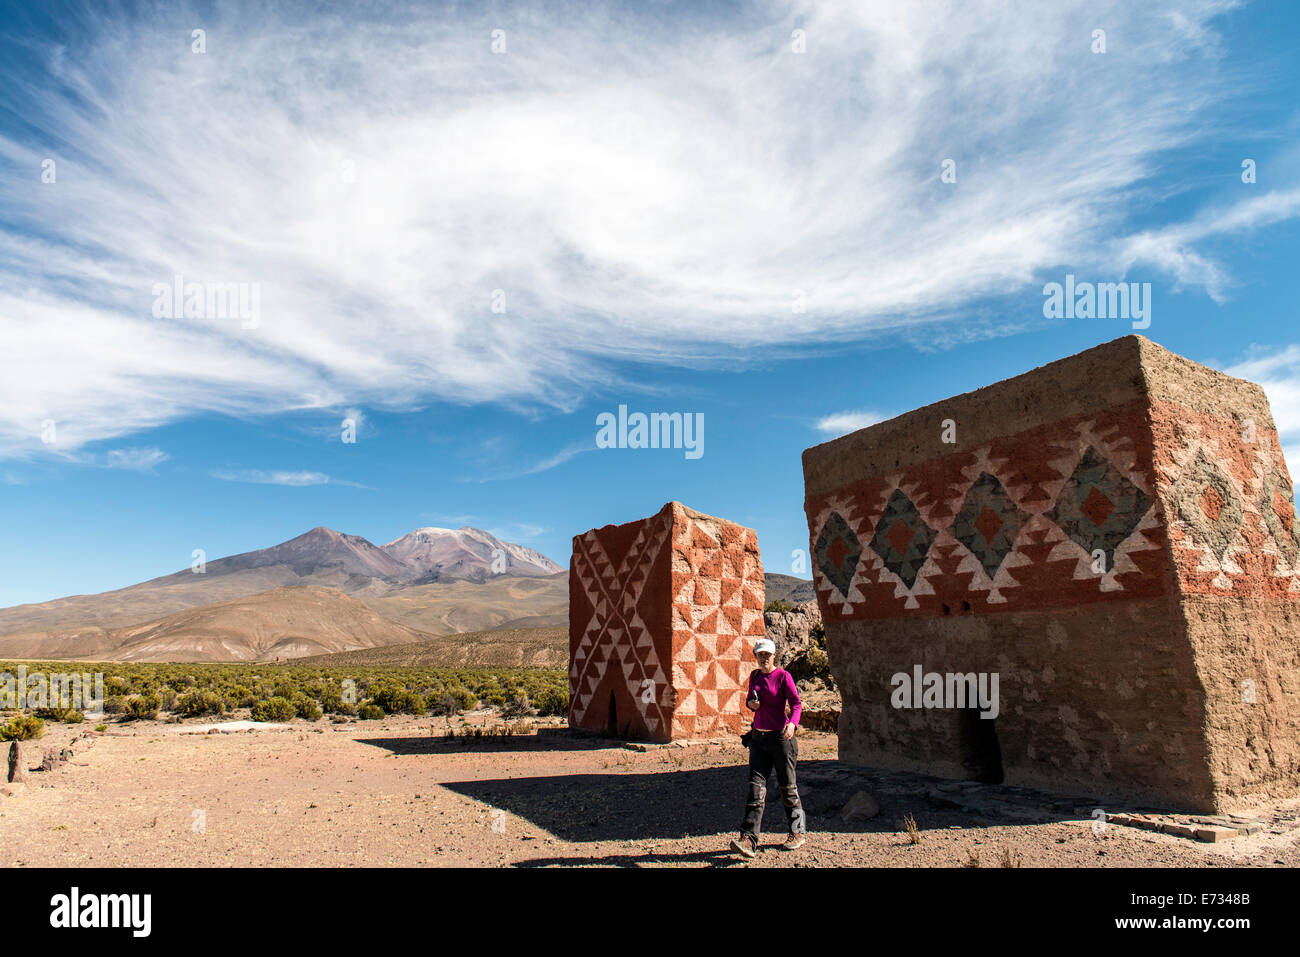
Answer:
(768, 751)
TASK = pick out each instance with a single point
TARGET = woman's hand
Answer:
(788, 733)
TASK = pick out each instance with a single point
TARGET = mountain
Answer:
(789, 589)
(501, 648)
(438, 554)
(280, 623)
(322, 556)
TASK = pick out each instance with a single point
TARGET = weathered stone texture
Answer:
(663, 616)
(1114, 535)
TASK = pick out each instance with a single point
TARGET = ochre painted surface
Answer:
(663, 615)
(1115, 536)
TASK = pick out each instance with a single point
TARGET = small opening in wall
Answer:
(981, 753)
(966, 608)
(946, 609)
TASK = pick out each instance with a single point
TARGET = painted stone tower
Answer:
(663, 616)
(1114, 537)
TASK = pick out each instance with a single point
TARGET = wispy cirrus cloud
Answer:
(428, 219)
(281, 477)
(135, 459)
(850, 420)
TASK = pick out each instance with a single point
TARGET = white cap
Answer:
(765, 644)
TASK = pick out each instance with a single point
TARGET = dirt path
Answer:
(388, 793)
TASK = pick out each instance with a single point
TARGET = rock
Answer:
(17, 766)
(941, 800)
(861, 807)
(1180, 830)
(1214, 834)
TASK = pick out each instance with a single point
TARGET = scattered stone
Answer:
(941, 800)
(17, 766)
(1181, 830)
(861, 807)
(1214, 834)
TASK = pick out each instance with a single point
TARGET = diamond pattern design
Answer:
(1277, 506)
(1098, 507)
(1208, 506)
(988, 523)
(902, 538)
(837, 552)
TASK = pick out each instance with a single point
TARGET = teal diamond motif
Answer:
(988, 523)
(1098, 507)
(837, 552)
(902, 538)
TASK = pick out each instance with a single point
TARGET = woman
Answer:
(771, 745)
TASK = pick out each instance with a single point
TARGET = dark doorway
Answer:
(980, 752)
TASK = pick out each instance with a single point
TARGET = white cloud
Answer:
(1278, 373)
(842, 423)
(635, 188)
(261, 477)
(136, 459)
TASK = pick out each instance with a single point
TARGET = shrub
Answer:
(101, 727)
(193, 704)
(305, 707)
(24, 727)
(142, 707)
(370, 712)
(778, 606)
(64, 715)
(517, 707)
(550, 700)
(114, 704)
(274, 709)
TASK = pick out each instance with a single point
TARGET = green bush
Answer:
(778, 606)
(370, 712)
(274, 709)
(306, 707)
(114, 704)
(551, 700)
(142, 707)
(24, 727)
(64, 715)
(194, 704)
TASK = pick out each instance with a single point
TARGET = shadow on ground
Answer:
(546, 739)
(658, 805)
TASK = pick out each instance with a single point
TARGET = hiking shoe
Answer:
(794, 841)
(745, 845)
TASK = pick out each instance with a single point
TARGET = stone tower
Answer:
(1114, 537)
(663, 616)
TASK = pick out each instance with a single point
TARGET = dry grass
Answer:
(913, 832)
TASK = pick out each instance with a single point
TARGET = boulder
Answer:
(861, 807)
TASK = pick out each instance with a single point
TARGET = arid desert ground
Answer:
(396, 792)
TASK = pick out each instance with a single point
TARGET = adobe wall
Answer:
(1236, 550)
(663, 616)
(1038, 546)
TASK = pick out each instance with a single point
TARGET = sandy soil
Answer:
(391, 793)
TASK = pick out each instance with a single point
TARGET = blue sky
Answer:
(473, 253)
